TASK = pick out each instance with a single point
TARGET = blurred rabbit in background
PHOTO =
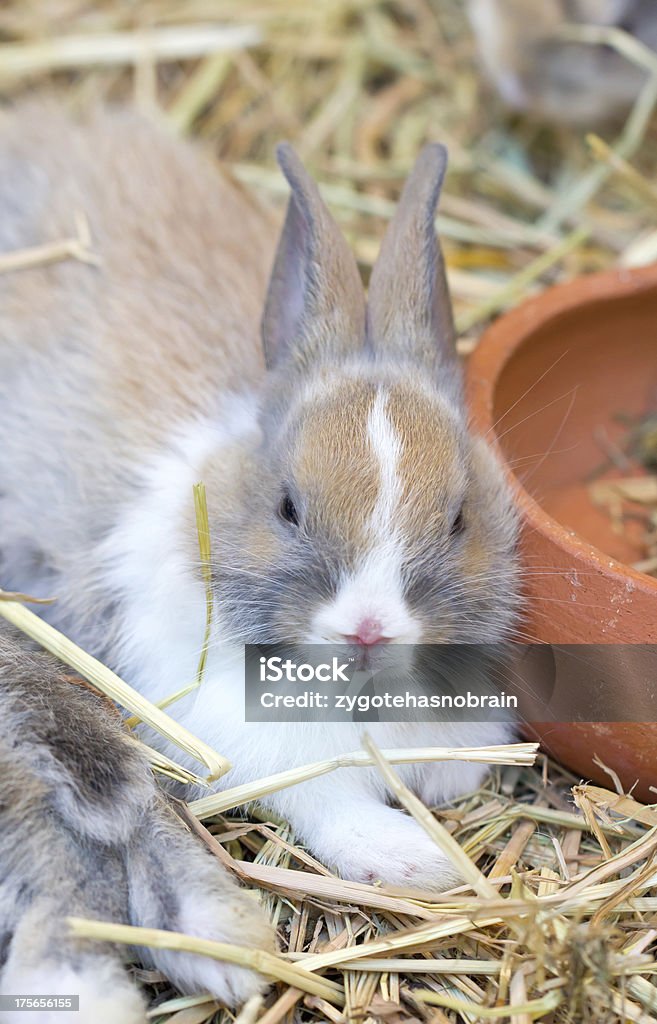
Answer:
(535, 68)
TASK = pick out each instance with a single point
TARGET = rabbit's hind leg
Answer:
(85, 831)
(49, 873)
(42, 960)
(175, 883)
(72, 791)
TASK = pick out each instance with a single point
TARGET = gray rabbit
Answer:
(348, 500)
(85, 831)
(536, 69)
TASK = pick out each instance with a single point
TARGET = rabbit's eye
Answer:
(458, 526)
(287, 510)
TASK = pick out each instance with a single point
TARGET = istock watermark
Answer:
(337, 683)
(450, 682)
(274, 669)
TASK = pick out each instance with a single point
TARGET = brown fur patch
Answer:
(431, 468)
(334, 465)
(338, 473)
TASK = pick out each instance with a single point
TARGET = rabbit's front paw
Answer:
(381, 844)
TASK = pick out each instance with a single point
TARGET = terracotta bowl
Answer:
(549, 384)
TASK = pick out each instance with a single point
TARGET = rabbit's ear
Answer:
(409, 308)
(315, 305)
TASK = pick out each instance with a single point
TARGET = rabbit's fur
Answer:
(129, 382)
(84, 831)
(536, 69)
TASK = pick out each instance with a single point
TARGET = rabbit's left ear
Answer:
(409, 308)
(315, 305)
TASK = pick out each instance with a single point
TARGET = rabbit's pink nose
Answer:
(368, 631)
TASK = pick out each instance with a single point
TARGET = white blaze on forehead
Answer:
(386, 447)
(374, 589)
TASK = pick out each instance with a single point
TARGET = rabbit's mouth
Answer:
(363, 659)
(377, 657)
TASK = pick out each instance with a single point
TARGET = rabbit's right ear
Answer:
(409, 307)
(315, 305)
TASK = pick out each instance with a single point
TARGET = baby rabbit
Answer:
(348, 502)
(536, 69)
(84, 831)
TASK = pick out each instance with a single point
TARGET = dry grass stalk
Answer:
(433, 828)
(518, 285)
(161, 44)
(205, 551)
(621, 805)
(268, 964)
(78, 247)
(164, 765)
(109, 683)
(16, 595)
(512, 753)
(602, 151)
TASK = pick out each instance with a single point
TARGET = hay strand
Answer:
(111, 685)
